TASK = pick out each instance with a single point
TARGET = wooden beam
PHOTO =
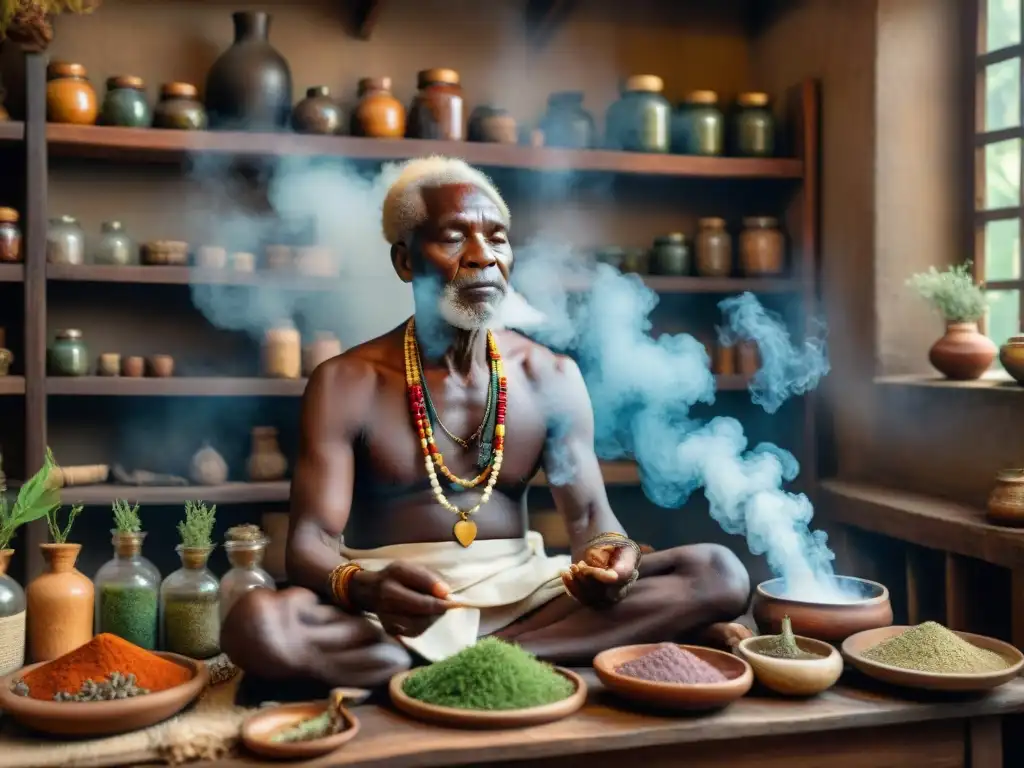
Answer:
(365, 15)
(543, 17)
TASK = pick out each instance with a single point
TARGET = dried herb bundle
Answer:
(27, 22)
(244, 532)
(784, 645)
(36, 498)
(327, 723)
(126, 518)
(58, 534)
(116, 686)
(953, 293)
(196, 530)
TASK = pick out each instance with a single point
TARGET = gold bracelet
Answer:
(339, 581)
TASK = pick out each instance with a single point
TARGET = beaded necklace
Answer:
(465, 530)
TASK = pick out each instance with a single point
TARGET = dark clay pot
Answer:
(125, 103)
(250, 85)
(317, 113)
(179, 108)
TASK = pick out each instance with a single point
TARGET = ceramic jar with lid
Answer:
(698, 126)
(640, 121)
(761, 247)
(65, 241)
(753, 126)
(378, 115)
(317, 113)
(438, 110)
(670, 255)
(67, 354)
(10, 237)
(70, 97)
(1006, 501)
(1011, 355)
(114, 247)
(714, 248)
(282, 352)
(493, 125)
(566, 123)
(179, 108)
(125, 103)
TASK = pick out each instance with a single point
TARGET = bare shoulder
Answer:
(545, 368)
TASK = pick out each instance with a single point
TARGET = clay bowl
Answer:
(854, 647)
(831, 622)
(794, 677)
(258, 729)
(474, 718)
(160, 366)
(682, 696)
(102, 718)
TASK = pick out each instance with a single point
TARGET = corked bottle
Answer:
(190, 606)
(60, 604)
(714, 248)
(379, 115)
(282, 352)
(761, 247)
(438, 110)
(12, 618)
(245, 546)
(128, 589)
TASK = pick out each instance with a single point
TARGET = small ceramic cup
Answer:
(133, 366)
(160, 366)
(109, 364)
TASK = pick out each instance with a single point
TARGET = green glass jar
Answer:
(566, 123)
(698, 126)
(753, 126)
(125, 103)
(670, 255)
(641, 120)
(68, 355)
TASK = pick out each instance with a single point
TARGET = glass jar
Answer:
(12, 618)
(128, 592)
(282, 352)
(635, 260)
(670, 255)
(65, 241)
(762, 247)
(246, 558)
(566, 123)
(753, 126)
(179, 108)
(190, 606)
(714, 248)
(67, 354)
(125, 103)
(10, 237)
(640, 120)
(114, 247)
(378, 114)
(438, 110)
(698, 125)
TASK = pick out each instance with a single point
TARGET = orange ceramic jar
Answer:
(70, 97)
(60, 605)
(378, 115)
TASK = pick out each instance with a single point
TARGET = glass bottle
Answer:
(698, 126)
(114, 247)
(128, 592)
(65, 241)
(190, 606)
(12, 618)
(68, 355)
(753, 126)
(10, 237)
(246, 558)
(670, 255)
(640, 121)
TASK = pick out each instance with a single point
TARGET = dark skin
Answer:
(364, 439)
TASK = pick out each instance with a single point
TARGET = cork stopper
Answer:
(127, 544)
(8, 216)
(702, 97)
(427, 77)
(125, 81)
(644, 83)
(59, 69)
(752, 99)
(178, 91)
(194, 558)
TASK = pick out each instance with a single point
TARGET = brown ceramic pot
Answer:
(60, 605)
(963, 353)
(378, 115)
(317, 113)
(761, 247)
(70, 97)
(1006, 502)
(108, 364)
(266, 462)
(1011, 355)
(492, 125)
(160, 366)
(179, 108)
(713, 248)
(438, 110)
(831, 622)
(133, 366)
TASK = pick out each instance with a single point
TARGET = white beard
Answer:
(467, 318)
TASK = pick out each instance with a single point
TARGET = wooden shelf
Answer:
(229, 493)
(12, 273)
(158, 145)
(174, 387)
(12, 385)
(995, 380)
(95, 273)
(12, 130)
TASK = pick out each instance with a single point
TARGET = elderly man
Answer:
(409, 526)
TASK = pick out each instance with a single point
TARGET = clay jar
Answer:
(179, 108)
(250, 85)
(10, 237)
(1011, 355)
(282, 352)
(378, 115)
(133, 366)
(438, 110)
(70, 97)
(963, 354)
(266, 462)
(1006, 502)
(67, 354)
(748, 358)
(492, 125)
(761, 247)
(323, 347)
(317, 113)
(125, 103)
(60, 605)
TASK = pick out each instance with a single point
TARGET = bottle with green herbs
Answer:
(245, 546)
(190, 597)
(128, 587)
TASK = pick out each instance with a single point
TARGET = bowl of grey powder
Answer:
(932, 657)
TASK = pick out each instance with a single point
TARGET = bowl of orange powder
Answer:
(104, 687)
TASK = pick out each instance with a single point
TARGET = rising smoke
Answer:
(642, 387)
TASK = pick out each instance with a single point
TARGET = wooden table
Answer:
(847, 727)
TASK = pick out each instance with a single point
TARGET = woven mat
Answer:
(206, 731)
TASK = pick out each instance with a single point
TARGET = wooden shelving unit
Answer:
(12, 385)
(12, 273)
(95, 273)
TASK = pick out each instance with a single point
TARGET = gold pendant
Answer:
(465, 532)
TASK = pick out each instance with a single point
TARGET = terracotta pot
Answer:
(60, 605)
(379, 114)
(1006, 502)
(831, 622)
(70, 97)
(108, 364)
(324, 347)
(963, 353)
(161, 366)
(266, 462)
(1011, 355)
(133, 366)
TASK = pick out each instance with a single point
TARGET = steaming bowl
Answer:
(829, 622)
(794, 677)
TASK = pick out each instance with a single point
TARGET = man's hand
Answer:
(603, 576)
(407, 598)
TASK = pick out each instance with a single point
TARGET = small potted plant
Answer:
(963, 353)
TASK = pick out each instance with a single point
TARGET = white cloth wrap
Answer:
(499, 580)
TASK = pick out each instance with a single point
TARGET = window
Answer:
(998, 135)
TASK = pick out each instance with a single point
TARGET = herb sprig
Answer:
(126, 518)
(196, 530)
(58, 534)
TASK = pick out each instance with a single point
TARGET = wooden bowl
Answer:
(495, 718)
(684, 696)
(103, 718)
(794, 677)
(854, 647)
(257, 730)
(831, 622)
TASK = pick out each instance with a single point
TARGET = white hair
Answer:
(404, 209)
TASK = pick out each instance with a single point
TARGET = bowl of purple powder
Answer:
(670, 676)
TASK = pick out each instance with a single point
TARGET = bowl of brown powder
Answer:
(670, 676)
(932, 657)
